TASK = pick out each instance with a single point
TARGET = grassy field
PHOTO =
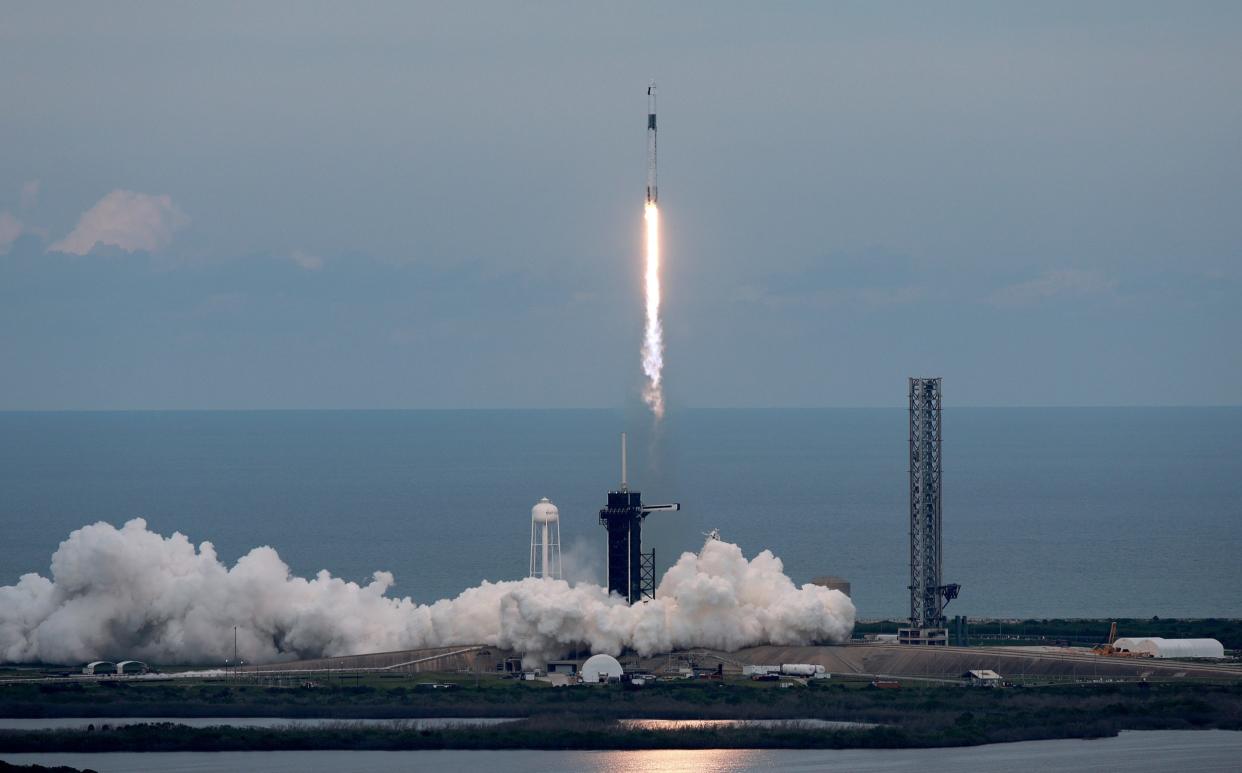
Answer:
(582, 717)
(1081, 631)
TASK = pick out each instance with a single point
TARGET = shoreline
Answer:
(535, 735)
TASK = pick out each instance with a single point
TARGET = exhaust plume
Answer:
(653, 336)
(133, 593)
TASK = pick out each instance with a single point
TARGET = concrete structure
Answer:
(833, 583)
(927, 637)
(862, 660)
(928, 595)
(472, 659)
(601, 668)
(1158, 647)
(949, 663)
(545, 540)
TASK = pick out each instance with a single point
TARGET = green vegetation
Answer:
(1084, 632)
(7, 768)
(582, 718)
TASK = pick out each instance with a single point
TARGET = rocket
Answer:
(652, 190)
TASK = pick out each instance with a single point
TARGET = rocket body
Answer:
(652, 190)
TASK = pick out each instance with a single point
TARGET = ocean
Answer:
(1048, 512)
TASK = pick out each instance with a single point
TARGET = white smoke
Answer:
(132, 593)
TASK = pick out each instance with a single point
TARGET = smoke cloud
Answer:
(125, 219)
(133, 593)
(10, 229)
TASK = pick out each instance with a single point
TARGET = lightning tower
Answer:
(928, 596)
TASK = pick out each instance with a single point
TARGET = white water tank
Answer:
(601, 668)
(544, 512)
(545, 540)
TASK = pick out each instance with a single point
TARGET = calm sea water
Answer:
(1047, 512)
(1145, 752)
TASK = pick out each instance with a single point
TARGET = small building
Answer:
(568, 667)
(983, 677)
(924, 637)
(1157, 647)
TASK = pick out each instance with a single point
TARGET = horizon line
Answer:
(496, 409)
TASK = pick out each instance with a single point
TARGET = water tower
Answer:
(545, 540)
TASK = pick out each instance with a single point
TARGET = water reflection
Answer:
(670, 760)
(1133, 752)
(707, 724)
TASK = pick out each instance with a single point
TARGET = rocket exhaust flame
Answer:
(653, 335)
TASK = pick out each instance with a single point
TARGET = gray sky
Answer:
(374, 205)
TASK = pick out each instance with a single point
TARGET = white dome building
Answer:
(1157, 647)
(601, 668)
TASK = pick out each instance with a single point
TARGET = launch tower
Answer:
(928, 596)
(631, 572)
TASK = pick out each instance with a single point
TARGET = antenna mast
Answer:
(624, 485)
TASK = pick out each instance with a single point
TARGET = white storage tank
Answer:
(800, 669)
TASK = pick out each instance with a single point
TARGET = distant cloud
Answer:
(30, 194)
(1055, 284)
(306, 261)
(125, 219)
(864, 297)
(10, 229)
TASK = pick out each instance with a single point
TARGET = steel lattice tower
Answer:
(927, 595)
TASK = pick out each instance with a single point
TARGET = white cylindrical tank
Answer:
(800, 669)
(601, 668)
